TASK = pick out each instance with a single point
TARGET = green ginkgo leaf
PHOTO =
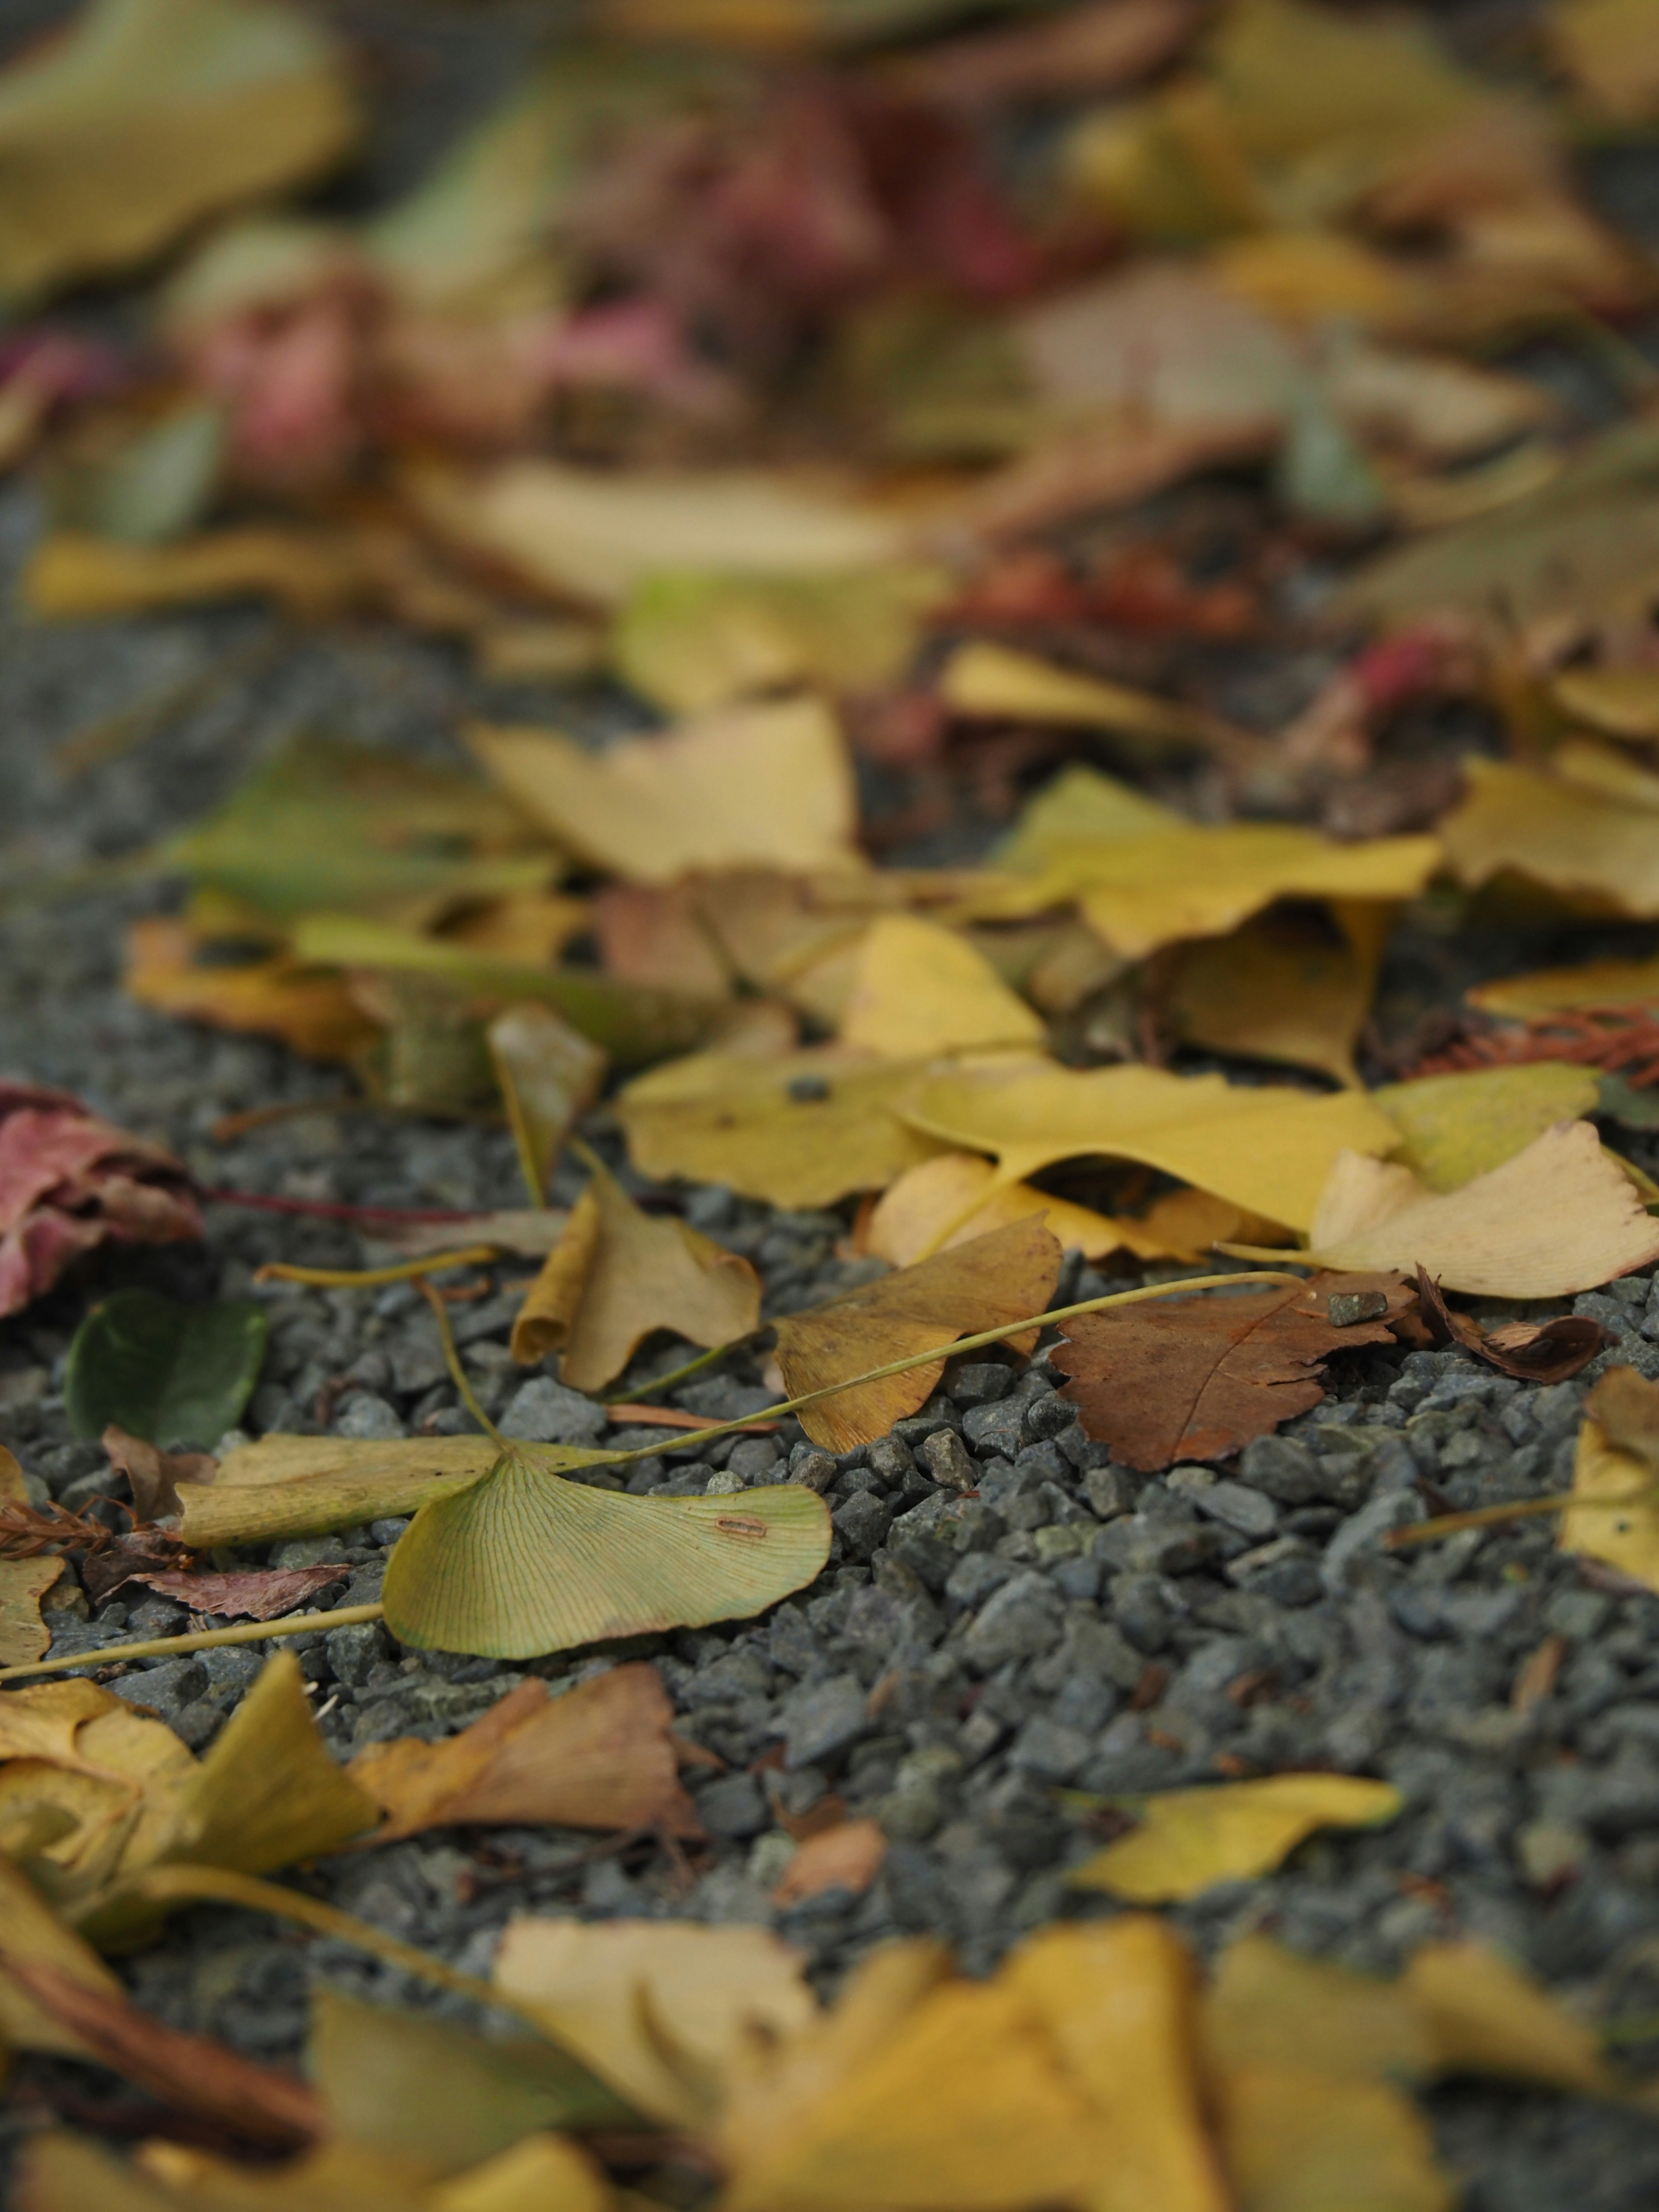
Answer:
(524, 1562)
(169, 1373)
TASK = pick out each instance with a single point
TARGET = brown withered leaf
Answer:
(258, 1593)
(847, 1856)
(139, 1552)
(1196, 1379)
(994, 1279)
(1537, 1352)
(602, 1756)
(153, 1473)
(26, 1575)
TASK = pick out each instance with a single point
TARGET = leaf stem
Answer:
(366, 1278)
(708, 1358)
(458, 1374)
(199, 1640)
(1516, 1509)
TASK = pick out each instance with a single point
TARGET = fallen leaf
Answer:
(616, 1276)
(600, 1756)
(1290, 985)
(68, 1181)
(549, 1073)
(765, 784)
(143, 118)
(1189, 1840)
(1271, 2006)
(1553, 990)
(802, 1129)
(23, 1583)
(522, 1562)
(1096, 47)
(310, 572)
(1296, 2141)
(911, 1217)
(1196, 1379)
(276, 996)
(1536, 1351)
(166, 1373)
(548, 2173)
(1455, 1127)
(1610, 49)
(32, 1933)
(1615, 1469)
(1623, 702)
(531, 1232)
(1485, 2016)
(260, 1594)
(1575, 842)
(653, 933)
(691, 641)
(989, 680)
(847, 1856)
(1119, 2002)
(67, 2173)
(919, 989)
(658, 2010)
(1266, 1150)
(1560, 1217)
(596, 535)
(994, 1279)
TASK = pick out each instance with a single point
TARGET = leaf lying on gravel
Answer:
(918, 989)
(68, 1181)
(1615, 1472)
(802, 1129)
(1534, 1351)
(1189, 1840)
(23, 1582)
(1265, 1150)
(31, 1934)
(955, 1196)
(1455, 1127)
(995, 1279)
(1197, 1379)
(167, 1373)
(277, 996)
(522, 1562)
(1551, 990)
(1291, 985)
(1573, 840)
(153, 1474)
(763, 785)
(1559, 1218)
(146, 116)
(983, 679)
(847, 1856)
(258, 1594)
(601, 1756)
(616, 1276)
(549, 1073)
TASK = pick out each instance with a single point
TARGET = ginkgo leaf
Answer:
(767, 784)
(1080, 804)
(1575, 842)
(23, 1583)
(659, 2011)
(1615, 1476)
(984, 679)
(1455, 1127)
(31, 1933)
(1485, 2016)
(595, 535)
(524, 1562)
(1622, 701)
(1551, 990)
(1273, 2007)
(959, 1193)
(1267, 1151)
(549, 1073)
(150, 113)
(995, 1278)
(1560, 1217)
(1287, 985)
(1610, 48)
(619, 1274)
(274, 996)
(1189, 1840)
(601, 1756)
(801, 1129)
(1294, 2141)
(918, 989)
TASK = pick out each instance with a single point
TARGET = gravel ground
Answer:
(961, 1656)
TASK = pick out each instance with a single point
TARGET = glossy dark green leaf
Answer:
(170, 1373)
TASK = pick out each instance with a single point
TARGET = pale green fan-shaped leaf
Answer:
(523, 1563)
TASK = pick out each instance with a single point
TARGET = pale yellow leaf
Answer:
(1623, 702)
(549, 1073)
(1454, 1128)
(541, 2173)
(1270, 2006)
(918, 989)
(1573, 840)
(1297, 2141)
(1550, 990)
(31, 1933)
(987, 679)
(1611, 50)
(1615, 1472)
(1081, 803)
(958, 1192)
(1189, 1840)
(767, 784)
(1485, 2016)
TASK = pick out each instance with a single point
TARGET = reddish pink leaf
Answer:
(260, 1594)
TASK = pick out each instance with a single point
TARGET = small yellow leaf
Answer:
(801, 1129)
(1266, 1150)
(1575, 842)
(1296, 2140)
(1270, 2006)
(617, 1275)
(279, 996)
(918, 989)
(1455, 1127)
(549, 1073)
(767, 784)
(310, 572)
(995, 1278)
(959, 1192)
(1617, 1460)
(1081, 803)
(539, 2173)
(1231, 1831)
(1611, 50)
(1485, 2016)
(994, 680)
(1551, 990)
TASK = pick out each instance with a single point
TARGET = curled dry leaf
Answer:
(764, 785)
(1536, 1351)
(995, 1278)
(616, 1276)
(1560, 1217)
(918, 989)
(801, 1129)
(260, 1594)
(1197, 1378)
(523, 1563)
(601, 1756)
(955, 1196)
(1189, 1839)
(68, 1181)
(153, 1474)
(23, 1582)
(847, 1856)
(1266, 1150)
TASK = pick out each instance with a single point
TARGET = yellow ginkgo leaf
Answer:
(272, 995)
(1615, 1475)
(1267, 1151)
(802, 1128)
(764, 785)
(1575, 842)
(1189, 1839)
(1608, 771)
(1271, 2006)
(1080, 803)
(1485, 2016)
(1552, 990)
(984, 679)
(1610, 48)
(539, 2173)
(959, 1192)
(918, 989)
(1622, 702)
(616, 1275)
(1454, 1128)
(1288, 986)
(549, 1073)
(1296, 2141)
(1560, 1217)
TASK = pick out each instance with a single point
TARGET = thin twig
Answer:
(458, 1373)
(368, 1278)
